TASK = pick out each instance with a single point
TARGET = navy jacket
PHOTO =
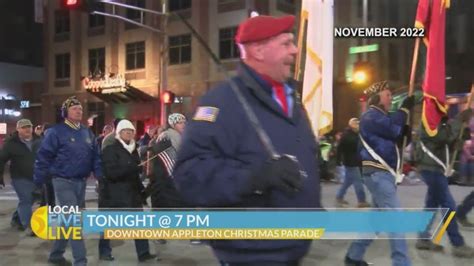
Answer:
(381, 131)
(67, 152)
(216, 161)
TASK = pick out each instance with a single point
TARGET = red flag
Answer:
(431, 15)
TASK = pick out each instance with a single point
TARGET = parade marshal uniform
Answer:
(221, 150)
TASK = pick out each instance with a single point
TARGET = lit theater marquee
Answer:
(107, 84)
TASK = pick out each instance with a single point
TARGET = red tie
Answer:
(279, 90)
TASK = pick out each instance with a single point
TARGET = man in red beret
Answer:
(267, 46)
(222, 161)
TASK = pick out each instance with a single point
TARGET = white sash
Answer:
(397, 174)
(447, 169)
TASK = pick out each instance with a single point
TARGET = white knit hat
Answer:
(176, 118)
(124, 124)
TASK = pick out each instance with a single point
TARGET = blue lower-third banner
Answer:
(237, 223)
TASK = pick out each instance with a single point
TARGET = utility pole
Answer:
(365, 18)
(163, 64)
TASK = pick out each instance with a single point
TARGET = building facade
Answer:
(391, 61)
(87, 53)
(21, 74)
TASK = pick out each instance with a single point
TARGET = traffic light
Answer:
(363, 73)
(167, 97)
(81, 5)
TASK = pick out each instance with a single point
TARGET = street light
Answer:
(360, 77)
(363, 73)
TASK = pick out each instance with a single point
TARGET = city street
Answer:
(18, 249)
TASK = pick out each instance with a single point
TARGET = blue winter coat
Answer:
(381, 131)
(217, 158)
(67, 152)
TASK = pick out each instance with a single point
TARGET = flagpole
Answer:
(456, 150)
(411, 85)
(411, 88)
(299, 56)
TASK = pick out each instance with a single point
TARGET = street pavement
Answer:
(18, 249)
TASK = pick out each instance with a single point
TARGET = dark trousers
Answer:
(141, 246)
(466, 206)
(438, 195)
(48, 195)
(262, 263)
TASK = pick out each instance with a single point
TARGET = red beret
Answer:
(263, 27)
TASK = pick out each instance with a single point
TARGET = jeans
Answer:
(24, 189)
(466, 206)
(141, 246)
(353, 177)
(381, 185)
(438, 195)
(340, 173)
(69, 192)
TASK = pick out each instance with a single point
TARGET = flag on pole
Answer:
(317, 25)
(168, 159)
(431, 16)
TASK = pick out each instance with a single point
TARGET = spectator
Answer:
(20, 149)
(121, 186)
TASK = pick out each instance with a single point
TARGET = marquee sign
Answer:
(109, 83)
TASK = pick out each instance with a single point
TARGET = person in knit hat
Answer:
(121, 186)
(379, 134)
(163, 190)
(68, 154)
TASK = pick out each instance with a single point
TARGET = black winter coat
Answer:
(163, 190)
(21, 158)
(121, 186)
(348, 149)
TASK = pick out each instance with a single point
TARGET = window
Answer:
(175, 5)
(286, 6)
(134, 14)
(230, 5)
(62, 66)
(135, 55)
(288, 2)
(96, 21)
(225, 2)
(180, 49)
(97, 60)
(61, 21)
(227, 46)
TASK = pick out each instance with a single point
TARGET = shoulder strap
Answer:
(447, 170)
(397, 174)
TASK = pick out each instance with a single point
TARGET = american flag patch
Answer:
(168, 159)
(206, 113)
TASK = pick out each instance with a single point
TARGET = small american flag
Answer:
(206, 113)
(168, 159)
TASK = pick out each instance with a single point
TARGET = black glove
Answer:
(409, 102)
(406, 132)
(466, 134)
(465, 115)
(37, 194)
(282, 174)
